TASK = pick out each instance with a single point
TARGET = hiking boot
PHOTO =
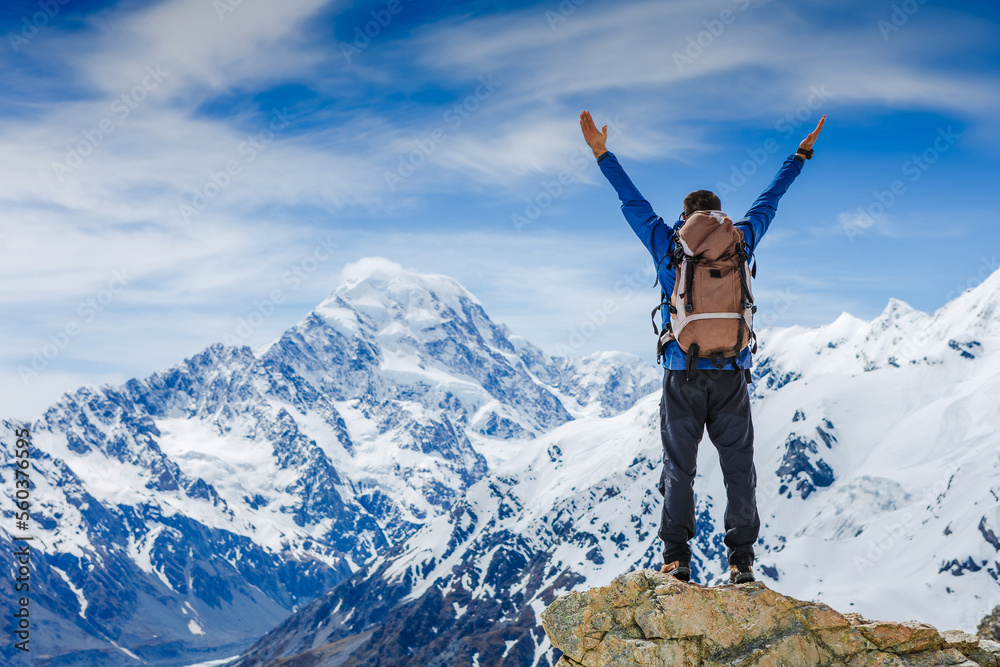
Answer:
(679, 569)
(740, 574)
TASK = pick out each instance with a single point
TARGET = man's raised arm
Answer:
(637, 211)
(762, 212)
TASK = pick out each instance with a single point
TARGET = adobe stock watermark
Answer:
(580, 161)
(452, 120)
(381, 18)
(865, 216)
(291, 280)
(223, 7)
(899, 17)
(86, 311)
(918, 340)
(698, 43)
(787, 125)
(900, 529)
(33, 23)
(595, 319)
(805, 113)
(121, 109)
(247, 151)
(987, 267)
(565, 9)
(778, 305)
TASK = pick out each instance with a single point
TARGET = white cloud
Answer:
(120, 208)
(220, 50)
(620, 60)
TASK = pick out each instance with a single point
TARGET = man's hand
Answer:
(810, 139)
(597, 140)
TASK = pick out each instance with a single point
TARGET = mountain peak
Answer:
(384, 291)
(897, 306)
(898, 316)
(391, 277)
(976, 311)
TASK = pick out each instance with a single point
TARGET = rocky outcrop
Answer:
(989, 627)
(648, 618)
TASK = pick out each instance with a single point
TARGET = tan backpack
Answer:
(711, 307)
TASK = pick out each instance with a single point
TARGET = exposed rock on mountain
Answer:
(989, 628)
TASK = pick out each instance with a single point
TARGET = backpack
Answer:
(711, 307)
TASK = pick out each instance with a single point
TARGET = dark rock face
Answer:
(965, 349)
(802, 467)
(767, 373)
(988, 534)
(440, 627)
(989, 627)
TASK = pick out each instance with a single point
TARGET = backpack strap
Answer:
(657, 269)
(689, 305)
(671, 257)
(738, 348)
(687, 296)
(677, 254)
(746, 297)
(661, 342)
(691, 361)
(674, 256)
(664, 301)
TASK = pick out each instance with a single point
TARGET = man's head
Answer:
(701, 200)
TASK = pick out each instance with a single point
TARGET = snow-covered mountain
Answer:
(878, 462)
(182, 515)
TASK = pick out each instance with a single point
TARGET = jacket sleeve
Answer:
(759, 217)
(649, 227)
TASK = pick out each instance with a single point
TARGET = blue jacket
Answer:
(658, 236)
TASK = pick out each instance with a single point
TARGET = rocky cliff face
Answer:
(647, 618)
(989, 627)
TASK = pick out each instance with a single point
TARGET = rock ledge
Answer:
(648, 618)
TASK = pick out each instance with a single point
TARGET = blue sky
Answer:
(171, 167)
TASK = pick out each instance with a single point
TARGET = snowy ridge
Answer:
(899, 336)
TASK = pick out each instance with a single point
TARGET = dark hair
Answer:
(701, 200)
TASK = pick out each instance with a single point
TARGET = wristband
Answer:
(806, 153)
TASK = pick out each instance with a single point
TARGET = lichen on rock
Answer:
(652, 619)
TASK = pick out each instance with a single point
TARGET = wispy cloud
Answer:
(210, 49)
(206, 154)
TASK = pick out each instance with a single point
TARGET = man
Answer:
(714, 398)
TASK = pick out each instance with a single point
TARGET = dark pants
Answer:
(719, 400)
